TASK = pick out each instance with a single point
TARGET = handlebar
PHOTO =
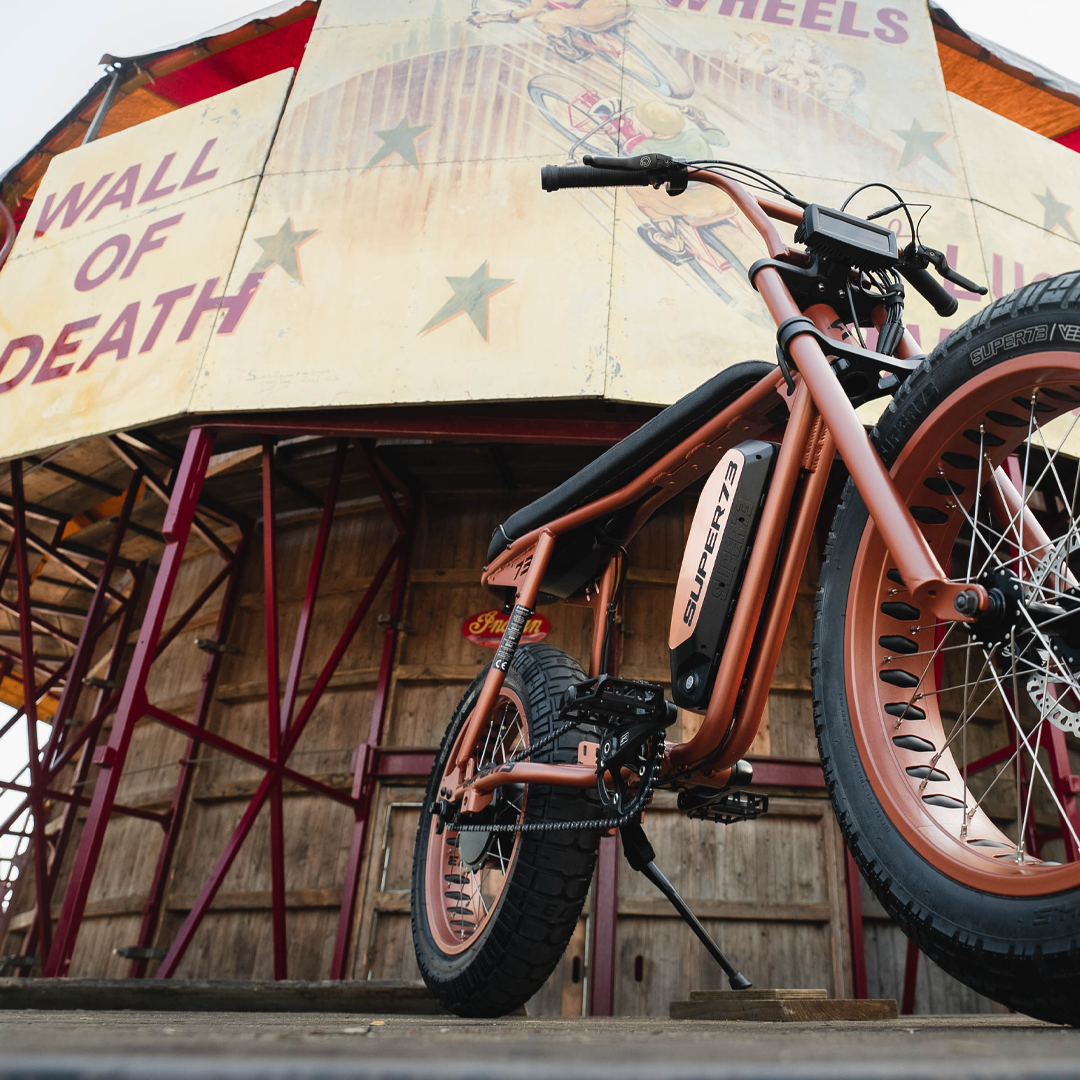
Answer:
(652, 170)
(924, 283)
(556, 177)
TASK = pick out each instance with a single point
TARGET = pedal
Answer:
(629, 710)
(609, 701)
(726, 807)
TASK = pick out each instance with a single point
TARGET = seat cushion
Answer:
(625, 460)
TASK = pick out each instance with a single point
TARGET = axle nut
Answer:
(967, 602)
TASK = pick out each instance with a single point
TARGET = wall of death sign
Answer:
(117, 280)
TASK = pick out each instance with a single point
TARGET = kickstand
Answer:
(641, 857)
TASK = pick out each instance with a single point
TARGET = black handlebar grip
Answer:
(924, 283)
(554, 177)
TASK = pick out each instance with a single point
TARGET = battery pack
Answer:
(713, 566)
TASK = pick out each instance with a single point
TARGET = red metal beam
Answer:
(252, 757)
(273, 714)
(855, 926)
(46, 548)
(82, 800)
(605, 912)
(133, 461)
(185, 779)
(307, 610)
(111, 757)
(26, 634)
(911, 977)
(82, 770)
(605, 921)
(88, 639)
(407, 423)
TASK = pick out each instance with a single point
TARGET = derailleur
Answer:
(632, 717)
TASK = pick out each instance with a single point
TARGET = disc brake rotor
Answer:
(1063, 707)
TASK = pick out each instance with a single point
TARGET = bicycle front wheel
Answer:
(948, 748)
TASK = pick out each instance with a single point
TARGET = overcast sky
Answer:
(51, 47)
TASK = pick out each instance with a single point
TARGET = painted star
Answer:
(471, 296)
(398, 140)
(280, 250)
(1055, 213)
(919, 143)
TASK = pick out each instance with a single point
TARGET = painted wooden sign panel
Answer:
(433, 268)
(395, 245)
(116, 281)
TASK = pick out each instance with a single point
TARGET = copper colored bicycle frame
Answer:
(821, 422)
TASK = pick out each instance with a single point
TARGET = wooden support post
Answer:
(367, 752)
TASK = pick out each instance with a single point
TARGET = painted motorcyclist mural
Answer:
(699, 234)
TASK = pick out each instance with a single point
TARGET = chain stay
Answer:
(589, 702)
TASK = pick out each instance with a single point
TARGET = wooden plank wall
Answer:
(772, 891)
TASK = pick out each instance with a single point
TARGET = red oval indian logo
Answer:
(486, 628)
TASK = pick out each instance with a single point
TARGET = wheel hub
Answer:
(995, 627)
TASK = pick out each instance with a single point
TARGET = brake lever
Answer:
(642, 162)
(941, 265)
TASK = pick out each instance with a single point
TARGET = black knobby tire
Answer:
(1020, 951)
(548, 879)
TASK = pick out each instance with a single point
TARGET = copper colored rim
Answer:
(458, 908)
(936, 829)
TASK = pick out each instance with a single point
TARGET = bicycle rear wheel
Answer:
(947, 748)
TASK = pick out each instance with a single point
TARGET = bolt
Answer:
(967, 602)
(690, 681)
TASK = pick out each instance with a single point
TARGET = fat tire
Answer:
(519, 946)
(1021, 952)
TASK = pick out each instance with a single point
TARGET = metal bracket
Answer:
(101, 684)
(210, 645)
(850, 359)
(139, 952)
(21, 963)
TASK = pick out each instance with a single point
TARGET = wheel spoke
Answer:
(929, 665)
(1021, 737)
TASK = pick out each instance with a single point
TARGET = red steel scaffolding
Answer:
(117, 585)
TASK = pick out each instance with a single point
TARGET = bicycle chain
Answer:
(611, 822)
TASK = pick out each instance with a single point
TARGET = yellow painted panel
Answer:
(154, 166)
(1040, 182)
(107, 302)
(456, 282)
